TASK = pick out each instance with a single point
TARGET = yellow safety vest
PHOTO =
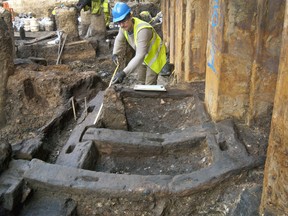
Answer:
(95, 7)
(105, 6)
(156, 56)
(54, 11)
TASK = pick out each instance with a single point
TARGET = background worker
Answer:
(146, 16)
(99, 10)
(142, 37)
(106, 11)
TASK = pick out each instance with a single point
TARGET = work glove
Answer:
(119, 77)
(166, 70)
(115, 59)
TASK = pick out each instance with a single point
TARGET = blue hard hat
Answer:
(120, 11)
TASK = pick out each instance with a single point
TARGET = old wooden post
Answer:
(6, 66)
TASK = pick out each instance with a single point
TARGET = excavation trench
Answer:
(118, 168)
(149, 152)
(191, 153)
(144, 161)
(159, 147)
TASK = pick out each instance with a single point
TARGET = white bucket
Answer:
(41, 27)
(49, 25)
(34, 25)
(27, 24)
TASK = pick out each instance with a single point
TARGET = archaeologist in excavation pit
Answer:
(150, 53)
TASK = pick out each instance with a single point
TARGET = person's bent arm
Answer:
(119, 43)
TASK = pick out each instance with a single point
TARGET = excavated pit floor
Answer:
(141, 163)
(157, 113)
(198, 153)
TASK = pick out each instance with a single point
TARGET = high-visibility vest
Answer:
(156, 56)
(105, 6)
(95, 6)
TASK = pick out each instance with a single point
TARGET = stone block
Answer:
(13, 190)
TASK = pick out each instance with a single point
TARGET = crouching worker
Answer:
(150, 51)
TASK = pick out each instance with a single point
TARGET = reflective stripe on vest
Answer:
(156, 56)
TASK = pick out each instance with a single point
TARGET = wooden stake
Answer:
(73, 107)
(86, 109)
(62, 47)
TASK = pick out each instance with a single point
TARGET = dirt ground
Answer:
(36, 94)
